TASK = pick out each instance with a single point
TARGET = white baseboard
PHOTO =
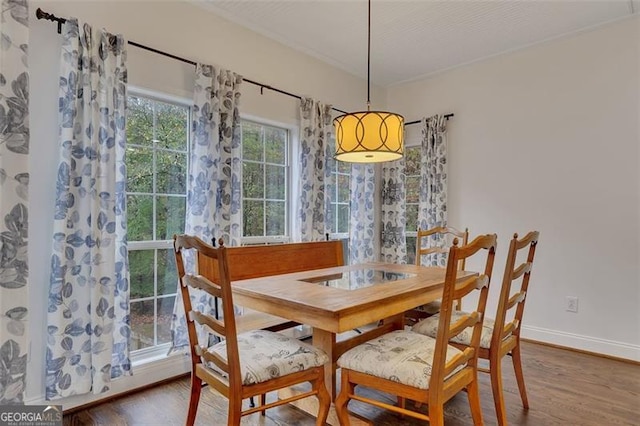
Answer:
(144, 374)
(585, 343)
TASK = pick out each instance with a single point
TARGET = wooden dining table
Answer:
(339, 299)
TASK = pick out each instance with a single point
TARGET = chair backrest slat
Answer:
(443, 231)
(202, 283)
(462, 323)
(216, 326)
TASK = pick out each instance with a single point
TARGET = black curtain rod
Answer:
(40, 14)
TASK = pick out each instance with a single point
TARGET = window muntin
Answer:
(157, 161)
(265, 183)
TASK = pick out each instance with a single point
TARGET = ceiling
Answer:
(411, 39)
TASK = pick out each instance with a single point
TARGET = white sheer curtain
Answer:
(393, 244)
(88, 316)
(14, 183)
(433, 182)
(361, 223)
(313, 171)
(213, 192)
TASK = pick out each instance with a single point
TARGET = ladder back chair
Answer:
(425, 369)
(501, 336)
(444, 233)
(242, 365)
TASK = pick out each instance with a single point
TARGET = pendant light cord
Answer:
(369, 60)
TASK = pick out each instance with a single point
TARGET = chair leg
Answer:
(235, 411)
(346, 389)
(194, 399)
(324, 399)
(517, 366)
(263, 402)
(473, 393)
(495, 371)
(436, 414)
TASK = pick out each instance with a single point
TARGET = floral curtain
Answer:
(88, 316)
(314, 137)
(432, 210)
(213, 192)
(393, 244)
(14, 182)
(361, 224)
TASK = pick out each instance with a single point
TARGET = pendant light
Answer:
(369, 136)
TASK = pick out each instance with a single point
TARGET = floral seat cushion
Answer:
(429, 327)
(265, 355)
(401, 356)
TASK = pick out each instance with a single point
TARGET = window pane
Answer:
(411, 250)
(170, 216)
(412, 161)
(139, 121)
(275, 145)
(140, 217)
(171, 172)
(142, 322)
(171, 126)
(251, 141)
(253, 180)
(413, 189)
(167, 274)
(141, 273)
(344, 167)
(275, 217)
(343, 218)
(253, 218)
(412, 217)
(343, 188)
(275, 182)
(165, 311)
(139, 169)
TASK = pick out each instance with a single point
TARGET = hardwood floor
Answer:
(564, 388)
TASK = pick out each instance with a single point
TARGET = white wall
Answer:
(184, 30)
(547, 138)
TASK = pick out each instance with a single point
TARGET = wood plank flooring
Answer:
(564, 388)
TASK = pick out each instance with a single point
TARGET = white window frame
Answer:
(334, 197)
(289, 204)
(152, 353)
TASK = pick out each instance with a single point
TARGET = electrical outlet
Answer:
(572, 303)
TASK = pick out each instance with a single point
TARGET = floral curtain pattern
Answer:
(88, 315)
(432, 210)
(393, 244)
(361, 220)
(314, 137)
(14, 183)
(214, 180)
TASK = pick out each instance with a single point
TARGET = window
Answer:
(412, 174)
(338, 216)
(265, 177)
(338, 190)
(157, 155)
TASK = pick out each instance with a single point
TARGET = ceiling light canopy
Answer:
(369, 136)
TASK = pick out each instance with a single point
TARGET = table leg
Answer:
(326, 341)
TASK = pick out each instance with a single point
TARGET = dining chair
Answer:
(425, 369)
(501, 336)
(244, 365)
(446, 236)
